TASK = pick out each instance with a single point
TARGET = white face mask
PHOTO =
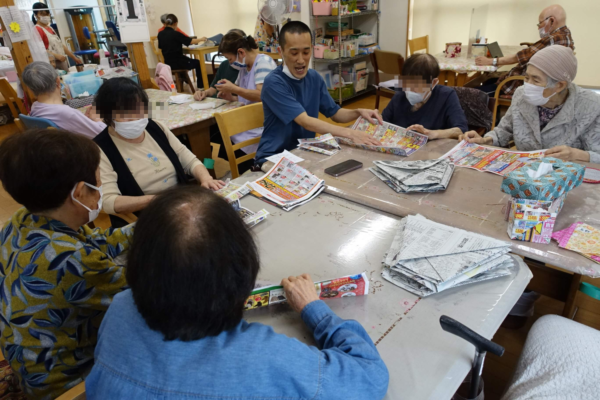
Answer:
(131, 129)
(543, 33)
(416, 98)
(92, 214)
(534, 95)
(288, 73)
(239, 65)
(45, 20)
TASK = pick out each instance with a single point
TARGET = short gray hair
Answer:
(40, 77)
(163, 18)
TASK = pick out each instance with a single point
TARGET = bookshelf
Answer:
(367, 21)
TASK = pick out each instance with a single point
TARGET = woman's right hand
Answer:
(200, 95)
(471, 137)
(299, 291)
(60, 57)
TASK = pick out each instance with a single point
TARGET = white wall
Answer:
(393, 25)
(511, 22)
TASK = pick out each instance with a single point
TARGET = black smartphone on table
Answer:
(343, 168)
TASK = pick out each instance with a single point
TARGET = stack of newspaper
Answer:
(287, 185)
(414, 176)
(250, 218)
(427, 257)
(324, 144)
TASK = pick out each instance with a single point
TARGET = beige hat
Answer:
(558, 62)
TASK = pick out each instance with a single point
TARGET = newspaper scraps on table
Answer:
(181, 99)
(290, 156)
(427, 257)
(394, 139)
(347, 286)
(233, 192)
(287, 185)
(324, 144)
(414, 176)
(250, 218)
(581, 238)
(491, 159)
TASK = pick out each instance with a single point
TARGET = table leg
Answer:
(443, 78)
(570, 303)
(461, 79)
(204, 74)
(451, 77)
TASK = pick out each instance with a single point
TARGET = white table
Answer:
(330, 237)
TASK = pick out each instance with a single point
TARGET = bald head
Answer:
(557, 12)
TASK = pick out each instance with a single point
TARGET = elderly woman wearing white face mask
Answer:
(550, 112)
(140, 157)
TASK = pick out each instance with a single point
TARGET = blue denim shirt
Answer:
(250, 361)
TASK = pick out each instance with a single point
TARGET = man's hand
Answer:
(484, 61)
(78, 60)
(212, 184)
(360, 137)
(226, 96)
(225, 86)
(421, 129)
(299, 291)
(200, 95)
(371, 116)
(203, 39)
(472, 137)
(567, 153)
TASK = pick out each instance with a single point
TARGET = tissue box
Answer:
(551, 186)
(533, 220)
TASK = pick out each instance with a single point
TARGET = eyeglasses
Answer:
(540, 24)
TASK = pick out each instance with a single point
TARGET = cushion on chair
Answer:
(561, 360)
(106, 53)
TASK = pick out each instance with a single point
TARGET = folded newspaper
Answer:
(427, 257)
(324, 144)
(347, 286)
(287, 185)
(394, 139)
(250, 218)
(414, 176)
(232, 191)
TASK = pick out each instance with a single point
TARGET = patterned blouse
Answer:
(546, 114)
(55, 287)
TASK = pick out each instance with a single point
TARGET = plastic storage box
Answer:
(322, 8)
(91, 86)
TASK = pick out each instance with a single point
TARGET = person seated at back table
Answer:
(170, 42)
(424, 105)
(140, 157)
(242, 53)
(293, 95)
(163, 19)
(58, 275)
(189, 286)
(225, 71)
(553, 31)
(44, 82)
(550, 111)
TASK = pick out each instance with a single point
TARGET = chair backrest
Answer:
(497, 96)
(11, 98)
(418, 44)
(86, 33)
(35, 122)
(586, 298)
(237, 121)
(76, 393)
(475, 105)
(387, 62)
(113, 30)
(155, 49)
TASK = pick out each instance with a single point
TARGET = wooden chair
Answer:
(586, 298)
(502, 100)
(237, 121)
(418, 44)
(181, 75)
(389, 63)
(11, 98)
(76, 393)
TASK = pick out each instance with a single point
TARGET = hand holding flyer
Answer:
(394, 139)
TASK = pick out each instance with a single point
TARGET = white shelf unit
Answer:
(366, 21)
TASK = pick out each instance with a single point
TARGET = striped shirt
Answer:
(264, 65)
(561, 36)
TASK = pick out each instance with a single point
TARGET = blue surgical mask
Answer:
(416, 98)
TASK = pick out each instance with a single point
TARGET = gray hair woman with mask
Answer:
(550, 111)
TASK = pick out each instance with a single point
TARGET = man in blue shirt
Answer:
(423, 105)
(293, 95)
